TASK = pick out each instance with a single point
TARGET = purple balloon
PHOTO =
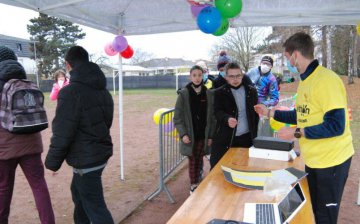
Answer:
(119, 44)
(195, 9)
(169, 127)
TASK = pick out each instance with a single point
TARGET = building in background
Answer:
(168, 66)
(21, 47)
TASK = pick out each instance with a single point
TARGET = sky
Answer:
(191, 45)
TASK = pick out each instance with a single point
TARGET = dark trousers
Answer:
(33, 169)
(87, 195)
(196, 162)
(326, 188)
(218, 150)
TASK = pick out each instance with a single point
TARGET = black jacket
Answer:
(225, 107)
(219, 81)
(81, 127)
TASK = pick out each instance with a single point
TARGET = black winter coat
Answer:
(81, 127)
(225, 107)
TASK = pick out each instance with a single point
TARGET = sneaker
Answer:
(192, 188)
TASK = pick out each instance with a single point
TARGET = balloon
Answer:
(223, 27)
(199, 2)
(195, 9)
(229, 8)
(158, 113)
(209, 19)
(128, 52)
(169, 127)
(109, 50)
(276, 125)
(358, 28)
(119, 43)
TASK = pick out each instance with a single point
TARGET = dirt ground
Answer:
(126, 198)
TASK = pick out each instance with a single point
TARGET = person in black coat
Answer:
(222, 61)
(236, 118)
(81, 135)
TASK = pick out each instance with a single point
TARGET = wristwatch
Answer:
(297, 133)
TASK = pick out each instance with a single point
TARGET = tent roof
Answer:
(133, 17)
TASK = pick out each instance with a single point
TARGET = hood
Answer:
(88, 74)
(10, 69)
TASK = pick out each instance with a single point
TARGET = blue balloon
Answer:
(209, 19)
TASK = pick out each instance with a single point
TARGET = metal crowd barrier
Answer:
(169, 153)
(287, 102)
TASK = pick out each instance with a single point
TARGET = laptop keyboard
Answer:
(265, 214)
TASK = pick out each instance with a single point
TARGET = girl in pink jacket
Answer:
(60, 82)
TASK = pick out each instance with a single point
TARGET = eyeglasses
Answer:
(239, 76)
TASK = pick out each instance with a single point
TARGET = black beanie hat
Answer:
(268, 59)
(7, 54)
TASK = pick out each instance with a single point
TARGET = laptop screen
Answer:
(291, 202)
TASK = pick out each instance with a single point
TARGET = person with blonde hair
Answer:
(60, 81)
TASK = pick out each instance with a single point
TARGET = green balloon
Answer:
(229, 8)
(223, 27)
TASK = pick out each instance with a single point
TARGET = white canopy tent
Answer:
(135, 17)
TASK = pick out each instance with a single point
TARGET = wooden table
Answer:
(217, 198)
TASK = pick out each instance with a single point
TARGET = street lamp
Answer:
(37, 70)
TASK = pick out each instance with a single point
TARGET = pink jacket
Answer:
(56, 89)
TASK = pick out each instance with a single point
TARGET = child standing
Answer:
(193, 121)
(60, 81)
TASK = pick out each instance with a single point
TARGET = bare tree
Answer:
(141, 56)
(239, 43)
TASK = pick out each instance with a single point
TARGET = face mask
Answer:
(264, 68)
(291, 68)
(197, 86)
(222, 74)
(205, 77)
(60, 83)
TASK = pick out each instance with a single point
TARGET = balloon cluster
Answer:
(214, 20)
(119, 45)
(167, 122)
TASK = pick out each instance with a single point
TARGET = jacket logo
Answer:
(303, 109)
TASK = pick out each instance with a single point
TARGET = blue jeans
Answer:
(88, 197)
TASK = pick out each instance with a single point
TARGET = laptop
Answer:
(276, 213)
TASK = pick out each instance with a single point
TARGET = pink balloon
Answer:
(120, 43)
(195, 9)
(109, 50)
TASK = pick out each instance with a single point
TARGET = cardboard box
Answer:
(272, 154)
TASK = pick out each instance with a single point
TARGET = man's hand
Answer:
(286, 133)
(186, 139)
(232, 122)
(261, 109)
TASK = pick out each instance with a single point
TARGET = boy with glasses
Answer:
(237, 120)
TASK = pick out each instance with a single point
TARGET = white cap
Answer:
(202, 64)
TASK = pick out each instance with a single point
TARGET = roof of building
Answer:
(166, 62)
(20, 46)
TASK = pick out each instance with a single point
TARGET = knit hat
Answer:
(7, 54)
(202, 64)
(223, 60)
(267, 59)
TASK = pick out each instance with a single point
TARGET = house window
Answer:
(19, 47)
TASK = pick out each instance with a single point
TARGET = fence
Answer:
(169, 153)
(287, 102)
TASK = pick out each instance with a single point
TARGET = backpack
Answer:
(22, 107)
